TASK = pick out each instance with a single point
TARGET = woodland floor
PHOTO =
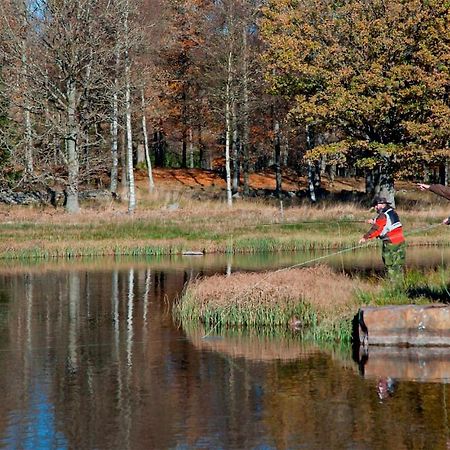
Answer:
(208, 179)
(209, 185)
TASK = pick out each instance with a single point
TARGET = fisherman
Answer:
(438, 189)
(387, 227)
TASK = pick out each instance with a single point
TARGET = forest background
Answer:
(91, 91)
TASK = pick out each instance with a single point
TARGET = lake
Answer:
(91, 358)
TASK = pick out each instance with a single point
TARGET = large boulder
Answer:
(418, 325)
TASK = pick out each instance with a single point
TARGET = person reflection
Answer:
(385, 388)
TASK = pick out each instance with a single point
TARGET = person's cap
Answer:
(377, 200)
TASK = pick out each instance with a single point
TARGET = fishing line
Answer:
(285, 269)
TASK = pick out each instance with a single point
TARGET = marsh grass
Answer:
(317, 300)
(207, 225)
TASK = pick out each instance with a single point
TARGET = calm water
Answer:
(90, 359)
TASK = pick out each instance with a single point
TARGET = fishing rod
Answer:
(311, 221)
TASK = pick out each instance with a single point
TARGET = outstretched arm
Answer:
(438, 189)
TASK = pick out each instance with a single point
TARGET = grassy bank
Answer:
(316, 301)
(161, 226)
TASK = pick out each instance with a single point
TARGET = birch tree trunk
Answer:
(123, 161)
(309, 144)
(114, 126)
(26, 104)
(312, 191)
(151, 184)
(277, 156)
(131, 186)
(228, 128)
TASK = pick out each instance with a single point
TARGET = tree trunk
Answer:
(131, 187)
(26, 106)
(332, 173)
(380, 182)
(191, 148)
(228, 129)
(284, 149)
(385, 187)
(235, 150)
(85, 153)
(245, 114)
(123, 161)
(427, 174)
(311, 174)
(114, 130)
(160, 148)
(72, 204)
(277, 156)
(447, 172)
(372, 176)
(184, 132)
(323, 165)
(311, 188)
(205, 160)
(151, 184)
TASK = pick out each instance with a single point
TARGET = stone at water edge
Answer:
(421, 325)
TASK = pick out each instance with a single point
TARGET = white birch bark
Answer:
(26, 104)
(115, 124)
(312, 191)
(151, 184)
(277, 156)
(131, 186)
(228, 129)
(114, 144)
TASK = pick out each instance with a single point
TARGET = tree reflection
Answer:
(96, 356)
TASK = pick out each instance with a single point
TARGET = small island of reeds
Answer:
(316, 300)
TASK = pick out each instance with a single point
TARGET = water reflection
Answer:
(421, 364)
(91, 358)
(252, 346)
(363, 260)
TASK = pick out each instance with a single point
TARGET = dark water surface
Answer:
(90, 358)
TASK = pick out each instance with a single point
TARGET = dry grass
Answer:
(317, 298)
(172, 219)
(320, 286)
